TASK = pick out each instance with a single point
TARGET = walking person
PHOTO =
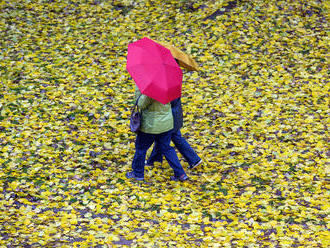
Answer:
(157, 126)
(180, 142)
(158, 78)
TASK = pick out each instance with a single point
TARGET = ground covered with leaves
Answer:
(257, 112)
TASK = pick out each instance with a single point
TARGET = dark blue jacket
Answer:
(177, 114)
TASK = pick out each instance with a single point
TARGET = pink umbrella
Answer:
(154, 70)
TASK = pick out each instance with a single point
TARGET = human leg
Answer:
(142, 143)
(185, 149)
(164, 140)
(156, 155)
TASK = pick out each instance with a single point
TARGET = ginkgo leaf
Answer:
(256, 112)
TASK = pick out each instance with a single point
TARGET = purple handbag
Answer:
(136, 117)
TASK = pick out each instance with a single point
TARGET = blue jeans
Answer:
(142, 144)
(183, 147)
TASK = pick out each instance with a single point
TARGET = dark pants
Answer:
(142, 144)
(183, 147)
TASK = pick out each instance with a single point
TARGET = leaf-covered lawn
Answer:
(257, 112)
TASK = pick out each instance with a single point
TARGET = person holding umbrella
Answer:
(180, 142)
(159, 80)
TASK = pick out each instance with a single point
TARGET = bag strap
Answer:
(136, 104)
(137, 100)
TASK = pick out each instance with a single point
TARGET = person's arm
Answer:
(144, 100)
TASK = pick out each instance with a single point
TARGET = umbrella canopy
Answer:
(154, 70)
(184, 59)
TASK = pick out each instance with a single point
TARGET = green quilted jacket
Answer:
(156, 117)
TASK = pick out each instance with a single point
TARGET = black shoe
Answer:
(130, 174)
(195, 165)
(182, 178)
